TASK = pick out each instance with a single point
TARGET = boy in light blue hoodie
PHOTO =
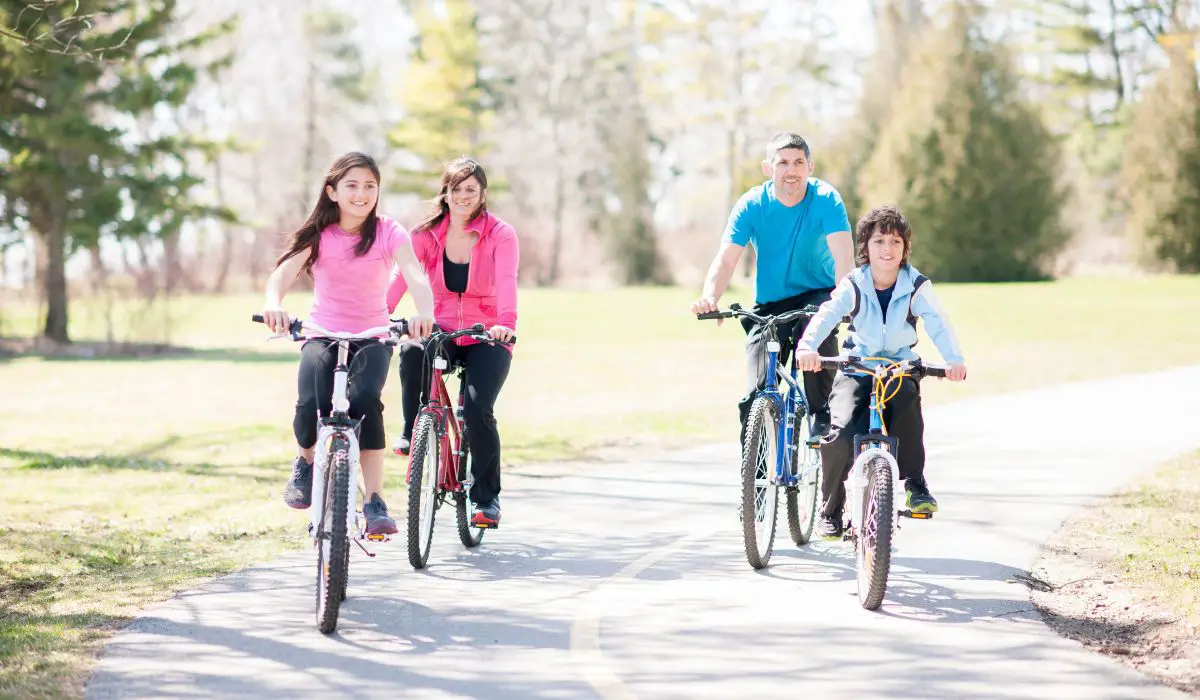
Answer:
(883, 297)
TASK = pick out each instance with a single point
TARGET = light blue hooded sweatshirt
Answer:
(871, 336)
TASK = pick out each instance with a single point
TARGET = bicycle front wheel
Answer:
(422, 489)
(873, 545)
(333, 538)
(802, 499)
(760, 489)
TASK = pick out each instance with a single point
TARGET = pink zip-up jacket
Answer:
(491, 296)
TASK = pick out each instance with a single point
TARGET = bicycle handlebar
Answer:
(394, 330)
(477, 332)
(914, 368)
(736, 310)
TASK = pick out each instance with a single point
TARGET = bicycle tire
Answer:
(760, 497)
(333, 550)
(873, 550)
(422, 489)
(468, 534)
(802, 499)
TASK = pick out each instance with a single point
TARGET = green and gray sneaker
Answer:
(918, 499)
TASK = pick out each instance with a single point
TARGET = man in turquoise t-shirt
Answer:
(801, 236)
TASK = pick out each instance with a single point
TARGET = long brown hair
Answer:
(885, 219)
(455, 173)
(326, 213)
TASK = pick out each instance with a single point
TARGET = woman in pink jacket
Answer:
(471, 257)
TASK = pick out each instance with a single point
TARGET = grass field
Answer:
(126, 479)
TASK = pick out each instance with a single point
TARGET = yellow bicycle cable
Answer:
(880, 387)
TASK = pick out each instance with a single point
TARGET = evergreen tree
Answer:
(969, 160)
(84, 149)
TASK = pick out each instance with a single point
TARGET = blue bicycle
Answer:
(776, 450)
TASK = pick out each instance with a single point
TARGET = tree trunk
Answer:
(56, 281)
(560, 204)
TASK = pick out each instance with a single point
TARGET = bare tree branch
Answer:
(64, 34)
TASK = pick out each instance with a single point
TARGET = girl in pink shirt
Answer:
(349, 251)
(471, 258)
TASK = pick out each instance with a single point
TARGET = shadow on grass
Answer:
(141, 459)
(87, 351)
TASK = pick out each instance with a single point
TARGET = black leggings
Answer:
(369, 362)
(849, 408)
(487, 368)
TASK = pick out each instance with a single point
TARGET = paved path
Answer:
(628, 581)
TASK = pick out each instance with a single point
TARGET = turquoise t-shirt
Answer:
(793, 255)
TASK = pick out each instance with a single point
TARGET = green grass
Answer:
(127, 479)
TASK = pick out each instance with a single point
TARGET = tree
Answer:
(447, 107)
(969, 160)
(898, 25)
(338, 83)
(539, 56)
(622, 126)
(83, 150)
(48, 26)
(1162, 164)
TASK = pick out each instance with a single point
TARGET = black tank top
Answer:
(456, 274)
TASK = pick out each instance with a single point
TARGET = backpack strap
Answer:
(847, 344)
(912, 318)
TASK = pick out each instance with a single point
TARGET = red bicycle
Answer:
(439, 461)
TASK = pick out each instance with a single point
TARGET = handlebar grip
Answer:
(257, 318)
(831, 364)
(935, 371)
(485, 338)
(709, 315)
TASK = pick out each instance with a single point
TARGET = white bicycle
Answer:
(335, 462)
(869, 489)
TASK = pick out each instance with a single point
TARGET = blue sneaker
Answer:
(298, 492)
(376, 514)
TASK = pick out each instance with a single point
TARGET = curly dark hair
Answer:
(885, 219)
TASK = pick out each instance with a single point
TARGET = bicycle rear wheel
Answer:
(802, 499)
(873, 545)
(426, 458)
(760, 490)
(333, 538)
(468, 534)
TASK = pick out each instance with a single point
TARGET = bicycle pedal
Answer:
(378, 538)
(914, 516)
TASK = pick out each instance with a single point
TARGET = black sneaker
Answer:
(376, 514)
(402, 446)
(487, 515)
(298, 492)
(820, 428)
(918, 499)
(830, 527)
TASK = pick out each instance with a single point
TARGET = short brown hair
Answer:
(885, 219)
(786, 139)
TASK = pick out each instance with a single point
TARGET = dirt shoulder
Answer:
(1123, 577)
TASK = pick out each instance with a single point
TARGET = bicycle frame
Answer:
(874, 443)
(337, 423)
(869, 445)
(449, 428)
(787, 401)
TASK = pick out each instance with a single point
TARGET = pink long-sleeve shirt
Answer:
(491, 294)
